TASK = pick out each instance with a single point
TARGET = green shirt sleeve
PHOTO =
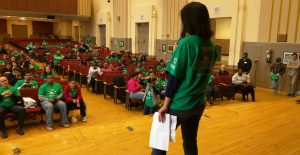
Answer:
(178, 62)
(41, 90)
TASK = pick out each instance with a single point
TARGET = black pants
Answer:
(72, 105)
(245, 89)
(189, 121)
(211, 92)
(18, 110)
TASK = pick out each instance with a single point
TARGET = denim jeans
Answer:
(189, 122)
(137, 95)
(49, 108)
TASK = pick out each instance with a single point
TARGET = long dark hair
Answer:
(195, 20)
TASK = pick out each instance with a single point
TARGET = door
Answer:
(102, 30)
(142, 37)
(76, 33)
(19, 31)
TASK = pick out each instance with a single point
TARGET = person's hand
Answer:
(8, 93)
(161, 113)
(51, 100)
(78, 103)
(74, 101)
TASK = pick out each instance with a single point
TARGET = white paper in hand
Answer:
(173, 120)
(160, 134)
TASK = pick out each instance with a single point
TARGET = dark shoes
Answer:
(20, 131)
(4, 134)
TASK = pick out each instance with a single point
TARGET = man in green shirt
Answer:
(9, 96)
(57, 57)
(50, 95)
(27, 82)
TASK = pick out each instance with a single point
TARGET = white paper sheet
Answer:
(162, 133)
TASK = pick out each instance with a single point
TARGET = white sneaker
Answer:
(50, 128)
(65, 125)
(74, 119)
(83, 119)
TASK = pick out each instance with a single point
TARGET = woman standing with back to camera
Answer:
(189, 70)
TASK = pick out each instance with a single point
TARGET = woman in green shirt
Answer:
(189, 70)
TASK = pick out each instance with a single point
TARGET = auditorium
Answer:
(141, 77)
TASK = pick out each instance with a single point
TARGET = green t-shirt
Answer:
(211, 80)
(21, 82)
(30, 46)
(74, 49)
(149, 98)
(57, 57)
(160, 67)
(109, 59)
(50, 91)
(2, 62)
(44, 76)
(74, 92)
(7, 101)
(191, 62)
(161, 85)
(36, 67)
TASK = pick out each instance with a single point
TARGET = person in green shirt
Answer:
(33, 65)
(211, 90)
(57, 57)
(47, 71)
(50, 95)
(139, 65)
(30, 48)
(161, 66)
(161, 84)
(9, 96)
(150, 98)
(189, 69)
(2, 62)
(27, 82)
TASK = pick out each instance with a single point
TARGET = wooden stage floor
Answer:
(270, 126)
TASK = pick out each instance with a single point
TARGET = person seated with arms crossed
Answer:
(73, 97)
(50, 95)
(27, 82)
(9, 96)
(242, 83)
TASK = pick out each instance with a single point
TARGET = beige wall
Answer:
(11, 22)
(102, 14)
(279, 17)
(223, 27)
(63, 28)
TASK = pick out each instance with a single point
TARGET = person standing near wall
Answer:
(190, 68)
(293, 72)
(277, 71)
(245, 64)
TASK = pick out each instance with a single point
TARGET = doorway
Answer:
(76, 33)
(142, 35)
(19, 31)
(102, 30)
